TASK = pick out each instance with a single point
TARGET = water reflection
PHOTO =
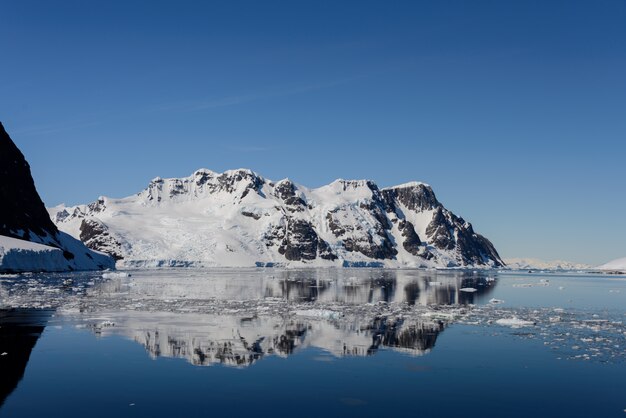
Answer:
(239, 341)
(19, 331)
(238, 317)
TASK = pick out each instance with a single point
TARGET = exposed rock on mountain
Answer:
(23, 219)
(238, 218)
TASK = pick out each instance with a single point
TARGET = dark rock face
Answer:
(374, 242)
(369, 248)
(416, 198)
(286, 191)
(441, 231)
(21, 207)
(229, 181)
(447, 231)
(325, 252)
(412, 242)
(301, 242)
(95, 235)
(475, 248)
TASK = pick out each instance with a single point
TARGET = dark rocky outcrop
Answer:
(412, 242)
(286, 191)
(95, 235)
(301, 242)
(22, 212)
(441, 231)
(229, 180)
(418, 197)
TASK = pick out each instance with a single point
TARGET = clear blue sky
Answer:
(515, 112)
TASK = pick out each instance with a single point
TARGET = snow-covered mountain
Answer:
(238, 218)
(615, 265)
(29, 241)
(537, 264)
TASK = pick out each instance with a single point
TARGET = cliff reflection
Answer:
(19, 331)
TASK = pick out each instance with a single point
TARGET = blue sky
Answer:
(515, 112)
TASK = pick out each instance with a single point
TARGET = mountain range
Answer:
(239, 218)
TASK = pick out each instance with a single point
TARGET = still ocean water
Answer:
(313, 343)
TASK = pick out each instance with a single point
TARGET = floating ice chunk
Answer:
(441, 315)
(318, 313)
(469, 289)
(514, 322)
(115, 275)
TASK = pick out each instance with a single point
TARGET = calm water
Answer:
(313, 343)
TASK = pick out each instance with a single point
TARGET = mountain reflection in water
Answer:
(237, 317)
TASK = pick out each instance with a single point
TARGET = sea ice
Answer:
(515, 322)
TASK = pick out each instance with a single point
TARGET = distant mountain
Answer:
(238, 218)
(24, 220)
(619, 264)
(537, 264)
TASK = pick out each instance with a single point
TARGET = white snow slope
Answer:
(17, 255)
(619, 264)
(234, 219)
